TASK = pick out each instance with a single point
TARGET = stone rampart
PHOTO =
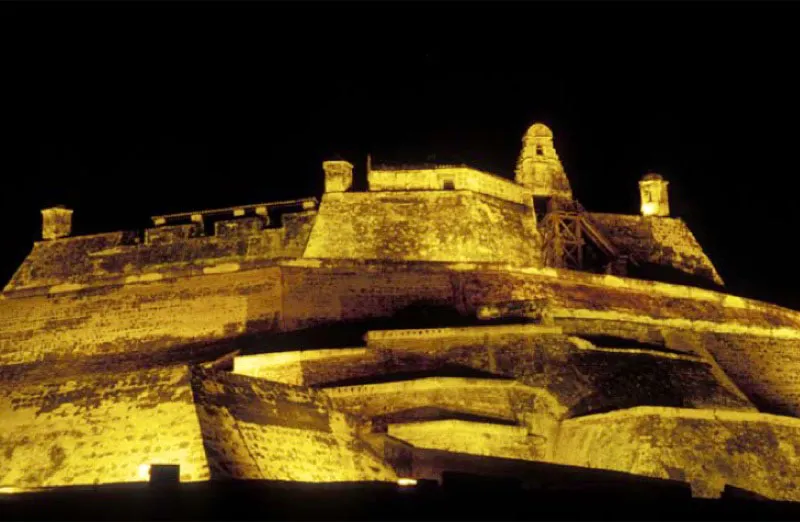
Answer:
(450, 178)
(449, 226)
(99, 429)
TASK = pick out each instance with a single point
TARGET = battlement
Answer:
(174, 246)
(448, 177)
(257, 209)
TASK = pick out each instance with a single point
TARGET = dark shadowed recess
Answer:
(547, 492)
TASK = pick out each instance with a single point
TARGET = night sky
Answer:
(122, 111)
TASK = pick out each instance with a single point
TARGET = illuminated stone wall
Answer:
(453, 226)
(375, 332)
(707, 448)
(138, 319)
(512, 366)
(152, 317)
(257, 429)
(290, 367)
(659, 240)
(324, 295)
(100, 428)
(450, 178)
(490, 440)
(170, 251)
(526, 375)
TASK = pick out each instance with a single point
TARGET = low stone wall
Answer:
(707, 448)
(459, 178)
(254, 429)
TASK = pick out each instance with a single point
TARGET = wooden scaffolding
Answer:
(567, 229)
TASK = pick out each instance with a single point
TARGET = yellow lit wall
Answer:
(260, 429)
(98, 429)
(452, 226)
(458, 178)
(706, 448)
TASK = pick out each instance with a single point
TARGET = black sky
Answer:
(124, 110)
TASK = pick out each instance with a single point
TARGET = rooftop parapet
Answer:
(257, 209)
(447, 177)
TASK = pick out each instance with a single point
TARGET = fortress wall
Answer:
(482, 397)
(461, 178)
(678, 244)
(323, 295)
(99, 429)
(474, 438)
(767, 370)
(579, 378)
(143, 318)
(660, 240)
(614, 298)
(56, 262)
(115, 259)
(707, 448)
(156, 316)
(289, 367)
(454, 226)
(256, 429)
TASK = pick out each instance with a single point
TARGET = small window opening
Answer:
(449, 185)
(539, 150)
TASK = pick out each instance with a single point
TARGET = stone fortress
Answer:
(444, 319)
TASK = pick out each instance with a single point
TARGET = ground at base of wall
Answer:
(462, 500)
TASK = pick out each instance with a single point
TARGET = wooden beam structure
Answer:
(565, 229)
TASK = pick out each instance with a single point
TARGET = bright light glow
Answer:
(144, 471)
(648, 209)
(406, 482)
(8, 490)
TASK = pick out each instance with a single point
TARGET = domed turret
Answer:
(538, 166)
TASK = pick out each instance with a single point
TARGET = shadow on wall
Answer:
(668, 274)
(341, 334)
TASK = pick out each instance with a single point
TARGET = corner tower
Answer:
(538, 166)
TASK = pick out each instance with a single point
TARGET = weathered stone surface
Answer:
(707, 448)
(454, 226)
(179, 250)
(390, 333)
(258, 429)
(662, 241)
(100, 428)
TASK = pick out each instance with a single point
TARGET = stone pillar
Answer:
(56, 222)
(338, 175)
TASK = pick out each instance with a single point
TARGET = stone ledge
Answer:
(471, 331)
(688, 413)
